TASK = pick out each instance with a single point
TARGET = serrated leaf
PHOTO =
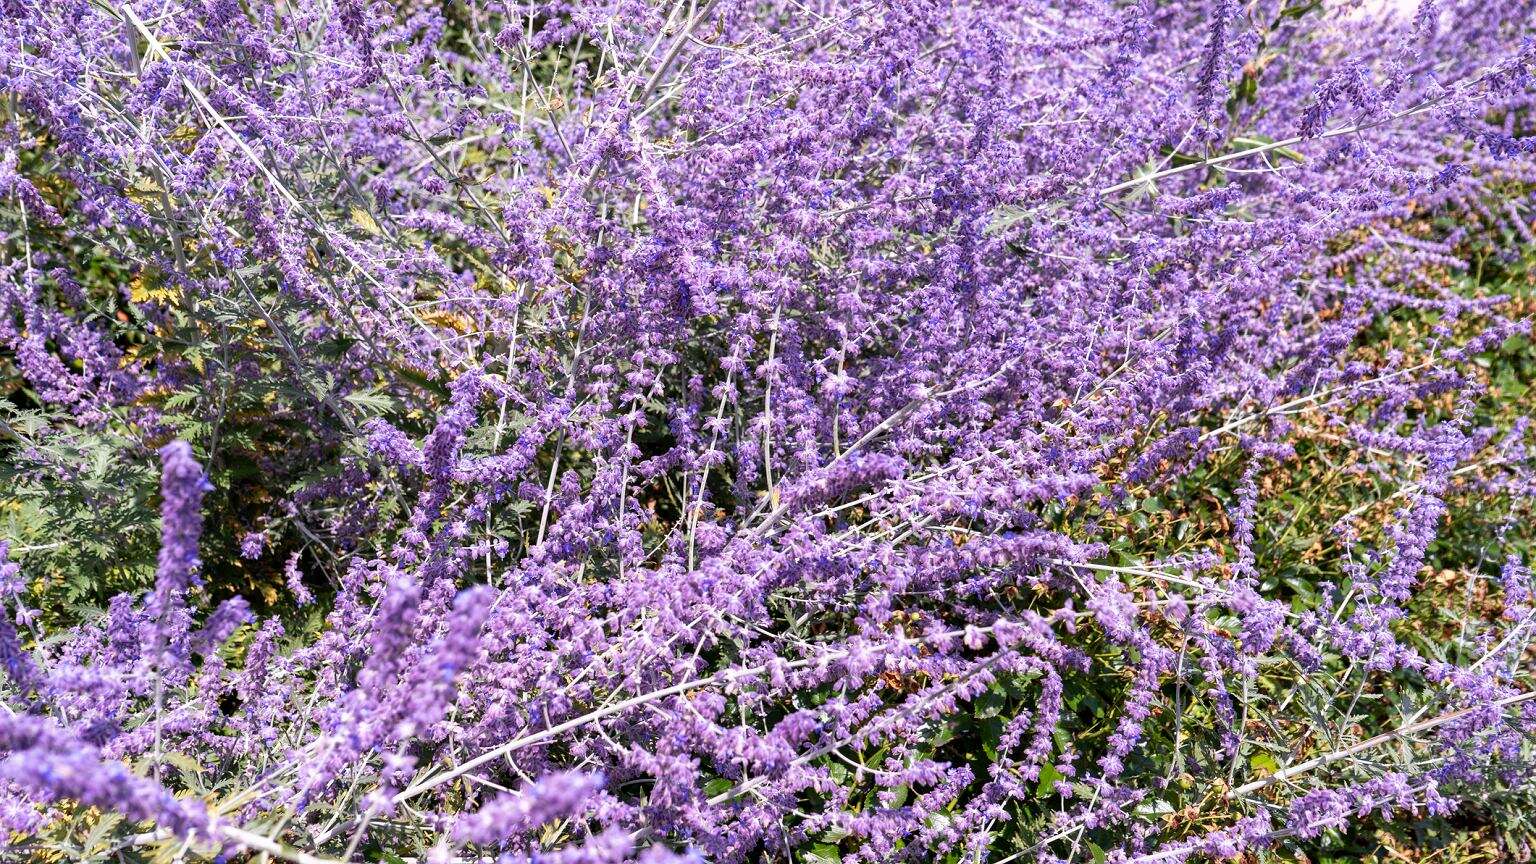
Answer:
(144, 288)
(371, 400)
(180, 399)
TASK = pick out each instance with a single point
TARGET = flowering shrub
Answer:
(826, 430)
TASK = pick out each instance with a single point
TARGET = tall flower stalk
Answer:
(795, 429)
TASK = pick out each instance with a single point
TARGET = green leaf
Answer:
(832, 835)
(1263, 763)
(991, 730)
(1297, 10)
(839, 773)
(823, 853)
(1253, 142)
(991, 703)
(372, 400)
(100, 832)
(1048, 777)
(180, 399)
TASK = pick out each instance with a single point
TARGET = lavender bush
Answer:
(807, 430)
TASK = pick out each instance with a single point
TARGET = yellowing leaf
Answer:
(145, 289)
(451, 320)
(144, 190)
(364, 220)
(186, 134)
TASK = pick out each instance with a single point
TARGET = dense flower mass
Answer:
(816, 430)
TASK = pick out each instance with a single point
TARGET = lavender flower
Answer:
(182, 485)
(747, 428)
(508, 815)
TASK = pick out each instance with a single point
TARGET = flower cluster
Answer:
(737, 431)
